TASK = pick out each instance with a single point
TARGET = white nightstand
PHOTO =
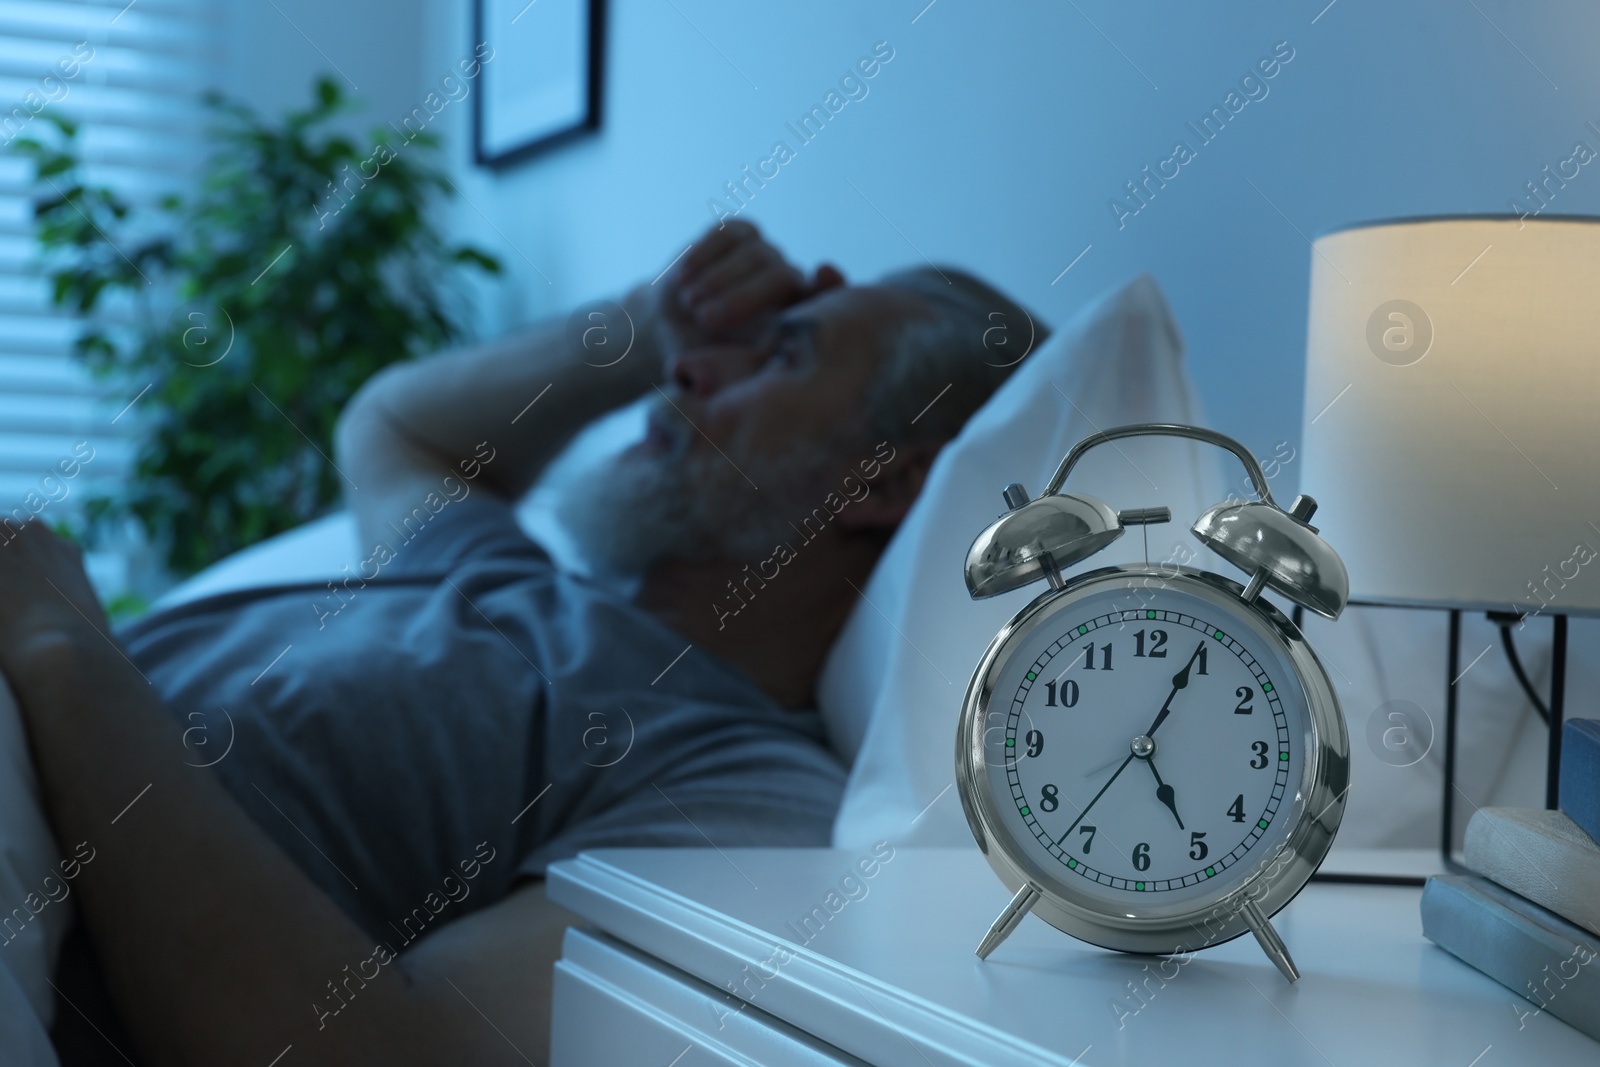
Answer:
(889, 977)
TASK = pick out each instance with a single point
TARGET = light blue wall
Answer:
(999, 132)
(269, 53)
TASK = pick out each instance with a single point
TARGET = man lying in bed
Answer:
(360, 875)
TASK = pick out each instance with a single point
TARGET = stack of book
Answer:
(1530, 917)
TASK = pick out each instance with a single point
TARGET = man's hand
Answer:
(413, 424)
(729, 286)
(46, 596)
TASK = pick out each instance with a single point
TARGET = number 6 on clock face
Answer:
(1154, 749)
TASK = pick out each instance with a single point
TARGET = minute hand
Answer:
(1097, 796)
(1179, 681)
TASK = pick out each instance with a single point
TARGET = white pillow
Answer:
(313, 552)
(891, 689)
(322, 548)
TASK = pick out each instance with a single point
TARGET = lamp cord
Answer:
(1504, 620)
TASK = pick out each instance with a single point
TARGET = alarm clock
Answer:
(1151, 757)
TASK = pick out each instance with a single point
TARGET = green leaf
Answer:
(472, 256)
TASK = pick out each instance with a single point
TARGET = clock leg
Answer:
(1020, 905)
(1271, 943)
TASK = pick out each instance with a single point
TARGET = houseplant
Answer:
(253, 307)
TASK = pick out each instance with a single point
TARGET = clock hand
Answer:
(1097, 796)
(1106, 766)
(1165, 793)
(1179, 681)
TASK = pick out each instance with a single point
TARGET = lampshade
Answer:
(1452, 410)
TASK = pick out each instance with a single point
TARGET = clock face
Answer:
(1145, 747)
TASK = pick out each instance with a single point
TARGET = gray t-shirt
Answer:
(470, 715)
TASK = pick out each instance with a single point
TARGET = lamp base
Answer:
(1557, 712)
(1447, 820)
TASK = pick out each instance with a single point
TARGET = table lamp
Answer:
(1452, 426)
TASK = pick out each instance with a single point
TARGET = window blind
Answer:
(131, 75)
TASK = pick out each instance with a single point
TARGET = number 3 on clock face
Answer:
(1147, 749)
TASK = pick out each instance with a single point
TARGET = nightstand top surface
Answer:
(884, 969)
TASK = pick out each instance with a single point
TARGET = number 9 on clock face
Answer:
(1140, 747)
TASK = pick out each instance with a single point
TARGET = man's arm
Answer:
(216, 947)
(525, 396)
(519, 399)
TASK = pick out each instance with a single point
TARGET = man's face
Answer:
(804, 380)
(743, 438)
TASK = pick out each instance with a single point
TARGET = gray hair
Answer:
(967, 347)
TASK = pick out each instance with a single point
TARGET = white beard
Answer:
(628, 511)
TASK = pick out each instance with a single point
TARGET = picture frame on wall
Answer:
(540, 86)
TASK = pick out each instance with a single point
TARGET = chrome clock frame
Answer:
(1313, 819)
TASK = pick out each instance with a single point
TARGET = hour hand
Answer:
(1165, 793)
